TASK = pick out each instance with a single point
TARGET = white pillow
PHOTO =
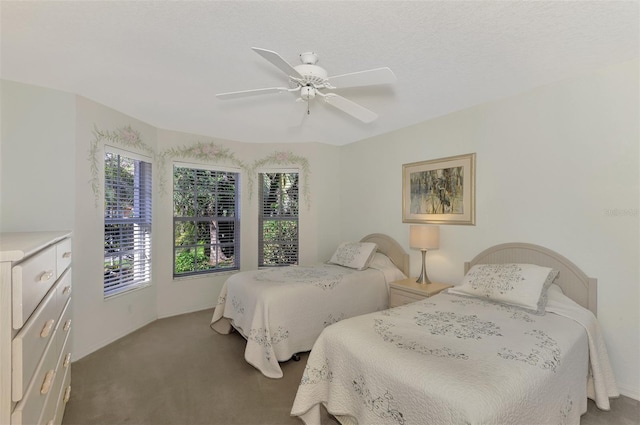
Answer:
(385, 265)
(555, 288)
(521, 285)
(355, 255)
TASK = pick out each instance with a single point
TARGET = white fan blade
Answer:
(371, 77)
(277, 60)
(351, 108)
(245, 93)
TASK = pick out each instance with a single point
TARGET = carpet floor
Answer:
(177, 371)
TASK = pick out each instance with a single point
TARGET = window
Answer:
(206, 225)
(127, 223)
(278, 219)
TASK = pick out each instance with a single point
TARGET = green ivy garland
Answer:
(204, 151)
(283, 158)
(125, 137)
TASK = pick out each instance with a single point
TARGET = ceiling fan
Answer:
(311, 80)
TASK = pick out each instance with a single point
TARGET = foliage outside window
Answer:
(127, 223)
(278, 219)
(206, 225)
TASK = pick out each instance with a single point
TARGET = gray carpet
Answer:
(178, 371)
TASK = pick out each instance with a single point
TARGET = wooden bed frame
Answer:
(573, 281)
(392, 249)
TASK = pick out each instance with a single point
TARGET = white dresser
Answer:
(35, 327)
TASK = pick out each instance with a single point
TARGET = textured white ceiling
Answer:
(163, 62)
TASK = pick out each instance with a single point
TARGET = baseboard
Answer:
(629, 392)
(191, 309)
(79, 352)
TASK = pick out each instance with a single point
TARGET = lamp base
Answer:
(423, 278)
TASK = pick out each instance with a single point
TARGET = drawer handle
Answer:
(48, 379)
(46, 330)
(46, 276)
(66, 254)
(67, 360)
(67, 394)
(66, 290)
(67, 325)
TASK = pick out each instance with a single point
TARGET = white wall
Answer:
(97, 321)
(37, 152)
(557, 166)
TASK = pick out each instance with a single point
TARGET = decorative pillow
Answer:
(520, 285)
(355, 255)
(385, 265)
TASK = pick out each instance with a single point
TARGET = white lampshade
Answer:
(424, 237)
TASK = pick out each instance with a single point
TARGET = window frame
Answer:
(236, 244)
(141, 233)
(286, 218)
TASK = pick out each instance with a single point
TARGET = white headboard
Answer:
(573, 281)
(392, 249)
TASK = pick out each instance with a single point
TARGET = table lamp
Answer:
(424, 238)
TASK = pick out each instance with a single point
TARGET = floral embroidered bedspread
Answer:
(453, 360)
(281, 311)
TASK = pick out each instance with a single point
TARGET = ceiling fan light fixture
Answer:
(307, 92)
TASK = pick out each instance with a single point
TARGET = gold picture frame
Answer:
(440, 191)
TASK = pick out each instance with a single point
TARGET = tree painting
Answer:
(437, 191)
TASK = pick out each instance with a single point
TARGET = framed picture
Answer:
(440, 191)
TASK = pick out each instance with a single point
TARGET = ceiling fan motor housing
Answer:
(312, 74)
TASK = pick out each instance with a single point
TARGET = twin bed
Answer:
(468, 358)
(281, 311)
(486, 354)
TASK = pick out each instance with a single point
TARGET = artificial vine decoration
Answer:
(202, 151)
(284, 158)
(125, 137)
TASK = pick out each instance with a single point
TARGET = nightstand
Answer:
(406, 291)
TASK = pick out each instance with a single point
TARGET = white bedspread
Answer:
(601, 382)
(455, 360)
(281, 311)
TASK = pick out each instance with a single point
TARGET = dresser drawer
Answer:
(63, 399)
(63, 255)
(64, 288)
(29, 409)
(29, 344)
(64, 326)
(31, 280)
(62, 378)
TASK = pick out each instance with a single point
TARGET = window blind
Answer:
(278, 219)
(206, 223)
(127, 223)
